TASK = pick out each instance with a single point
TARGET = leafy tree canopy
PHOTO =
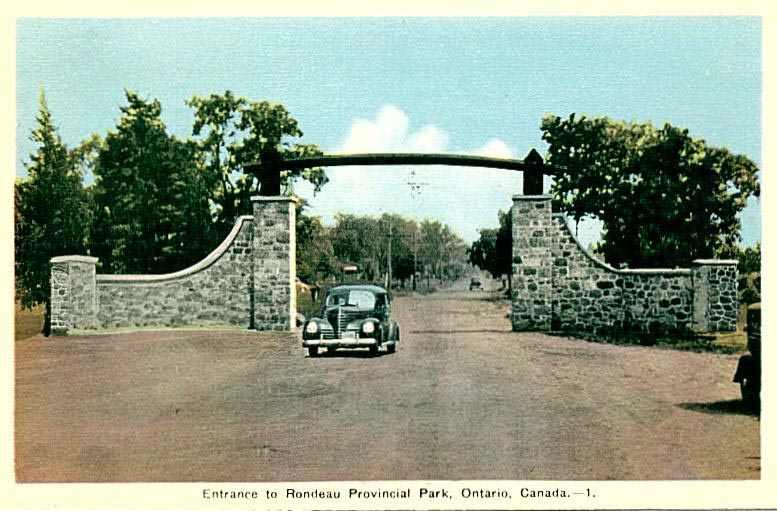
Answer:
(234, 131)
(664, 197)
(492, 251)
(152, 212)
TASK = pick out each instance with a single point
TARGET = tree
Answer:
(234, 131)
(399, 245)
(359, 240)
(493, 250)
(152, 212)
(315, 255)
(52, 213)
(663, 197)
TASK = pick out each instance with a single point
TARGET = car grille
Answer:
(340, 317)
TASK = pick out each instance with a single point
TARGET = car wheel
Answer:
(392, 347)
(750, 391)
(374, 349)
(312, 351)
(331, 350)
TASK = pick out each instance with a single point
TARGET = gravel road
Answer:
(462, 398)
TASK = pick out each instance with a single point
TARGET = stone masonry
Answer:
(247, 281)
(533, 239)
(73, 297)
(558, 285)
(275, 306)
(214, 291)
(716, 296)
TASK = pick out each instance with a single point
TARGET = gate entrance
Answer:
(533, 166)
(249, 280)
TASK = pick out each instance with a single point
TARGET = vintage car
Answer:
(748, 373)
(475, 284)
(353, 316)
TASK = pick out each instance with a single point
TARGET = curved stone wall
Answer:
(559, 285)
(216, 290)
(592, 296)
(247, 281)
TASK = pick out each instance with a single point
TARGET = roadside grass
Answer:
(306, 306)
(724, 342)
(28, 322)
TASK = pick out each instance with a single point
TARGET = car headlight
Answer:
(368, 327)
(312, 327)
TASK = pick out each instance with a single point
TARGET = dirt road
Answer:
(463, 398)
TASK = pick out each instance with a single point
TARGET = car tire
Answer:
(750, 391)
(330, 350)
(391, 347)
(312, 351)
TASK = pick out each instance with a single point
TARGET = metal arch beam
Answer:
(533, 165)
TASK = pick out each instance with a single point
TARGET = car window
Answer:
(360, 298)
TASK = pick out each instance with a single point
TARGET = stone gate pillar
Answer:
(274, 259)
(73, 293)
(715, 300)
(533, 239)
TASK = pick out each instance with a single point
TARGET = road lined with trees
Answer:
(159, 203)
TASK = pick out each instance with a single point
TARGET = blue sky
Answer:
(463, 85)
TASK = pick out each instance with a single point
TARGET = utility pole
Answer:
(415, 257)
(391, 234)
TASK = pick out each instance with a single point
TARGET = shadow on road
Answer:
(340, 353)
(473, 331)
(733, 406)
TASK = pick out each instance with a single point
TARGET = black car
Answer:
(475, 284)
(353, 316)
(748, 373)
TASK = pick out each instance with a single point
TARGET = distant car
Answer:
(748, 373)
(475, 283)
(353, 316)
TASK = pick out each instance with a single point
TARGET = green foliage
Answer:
(52, 212)
(492, 251)
(429, 248)
(152, 214)
(315, 260)
(664, 198)
(234, 131)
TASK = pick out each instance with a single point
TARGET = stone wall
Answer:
(717, 295)
(533, 240)
(275, 272)
(583, 294)
(73, 296)
(215, 291)
(247, 281)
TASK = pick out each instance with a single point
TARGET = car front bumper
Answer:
(341, 342)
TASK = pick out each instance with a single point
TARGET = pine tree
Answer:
(52, 213)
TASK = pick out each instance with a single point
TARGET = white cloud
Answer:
(389, 133)
(467, 199)
(495, 149)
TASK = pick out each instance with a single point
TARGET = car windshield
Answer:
(360, 298)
